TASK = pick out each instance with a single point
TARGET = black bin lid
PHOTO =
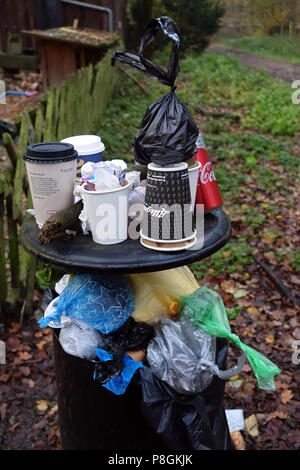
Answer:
(50, 152)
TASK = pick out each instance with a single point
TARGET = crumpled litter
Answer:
(136, 200)
(79, 339)
(184, 357)
(187, 422)
(158, 294)
(132, 336)
(206, 310)
(101, 301)
(119, 384)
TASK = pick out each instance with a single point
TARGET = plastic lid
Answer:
(86, 144)
(50, 152)
(172, 167)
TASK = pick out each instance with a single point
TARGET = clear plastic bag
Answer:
(157, 294)
(103, 302)
(184, 357)
(206, 310)
(79, 339)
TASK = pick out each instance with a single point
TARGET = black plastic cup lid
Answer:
(50, 152)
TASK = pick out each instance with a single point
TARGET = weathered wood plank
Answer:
(48, 134)
(38, 125)
(19, 173)
(3, 277)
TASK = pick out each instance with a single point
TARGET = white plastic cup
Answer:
(193, 177)
(108, 214)
(89, 147)
(51, 170)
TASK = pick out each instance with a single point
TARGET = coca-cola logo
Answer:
(207, 173)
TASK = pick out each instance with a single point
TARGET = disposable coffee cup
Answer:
(108, 214)
(51, 170)
(167, 210)
(193, 178)
(89, 147)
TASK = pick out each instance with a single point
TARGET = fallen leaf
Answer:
(29, 382)
(3, 411)
(16, 425)
(263, 418)
(14, 327)
(279, 414)
(235, 383)
(12, 420)
(296, 333)
(286, 396)
(5, 378)
(53, 411)
(25, 370)
(238, 440)
(253, 310)
(24, 356)
(267, 239)
(240, 293)
(38, 334)
(41, 405)
(228, 286)
(270, 338)
(251, 426)
(227, 253)
(41, 345)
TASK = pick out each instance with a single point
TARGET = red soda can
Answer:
(208, 192)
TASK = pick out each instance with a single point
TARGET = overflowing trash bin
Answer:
(140, 349)
(175, 360)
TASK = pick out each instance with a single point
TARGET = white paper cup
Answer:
(108, 214)
(193, 177)
(51, 170)
(89, 148)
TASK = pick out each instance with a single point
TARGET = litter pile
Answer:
(173, 334)
(158, 330)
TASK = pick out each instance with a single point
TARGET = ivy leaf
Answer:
(233, 313)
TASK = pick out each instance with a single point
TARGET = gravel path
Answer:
(275, 68)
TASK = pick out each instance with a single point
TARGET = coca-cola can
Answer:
(208, 192)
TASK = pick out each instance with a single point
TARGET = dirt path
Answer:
(275, 68)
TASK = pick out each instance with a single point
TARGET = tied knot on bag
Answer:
(236, 340)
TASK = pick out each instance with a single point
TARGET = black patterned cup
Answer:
(167, 210)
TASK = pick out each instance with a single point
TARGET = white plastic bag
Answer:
(79, 339)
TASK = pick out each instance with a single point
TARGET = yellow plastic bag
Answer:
(157, 294)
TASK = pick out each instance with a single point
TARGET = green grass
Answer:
(273, 47)
(256, 162)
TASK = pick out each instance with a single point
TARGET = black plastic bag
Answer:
(132, 336)
(194, 422)
(168, 132)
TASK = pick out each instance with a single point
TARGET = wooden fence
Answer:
(75, 107)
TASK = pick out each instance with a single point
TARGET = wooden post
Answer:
(3, 283)
(13, 243)
(19, 174)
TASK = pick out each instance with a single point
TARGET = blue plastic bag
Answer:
(118, 385)
(103, 302)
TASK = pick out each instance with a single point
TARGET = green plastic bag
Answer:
(206, 310)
